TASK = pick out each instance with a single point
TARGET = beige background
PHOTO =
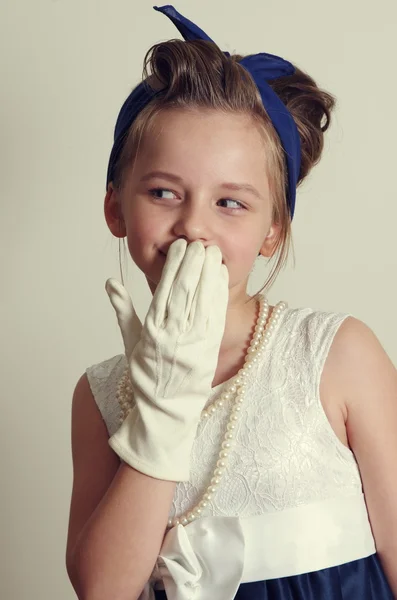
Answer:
(67, 66)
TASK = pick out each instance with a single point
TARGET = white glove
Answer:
(173, 364)
(129, 323)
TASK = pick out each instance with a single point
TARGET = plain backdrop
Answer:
(66, 68)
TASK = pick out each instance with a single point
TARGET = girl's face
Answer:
(199, 175)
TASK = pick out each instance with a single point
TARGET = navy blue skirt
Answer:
(362, 579)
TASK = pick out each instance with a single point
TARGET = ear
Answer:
(269, 245)
(113, 213)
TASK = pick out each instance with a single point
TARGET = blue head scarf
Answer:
(263, 67)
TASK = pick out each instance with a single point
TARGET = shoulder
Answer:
(94, 406)
(84, 409)
(359, 364)
(353, 333)
(357, 350)
(89, 432)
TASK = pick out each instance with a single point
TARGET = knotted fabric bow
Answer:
(195, 563)
(263, 67)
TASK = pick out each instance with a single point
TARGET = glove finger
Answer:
(158, 308)
(129, 323)
(185, 285)
(221, 302)
(207, 293)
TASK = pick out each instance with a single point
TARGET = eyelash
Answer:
(154, 190)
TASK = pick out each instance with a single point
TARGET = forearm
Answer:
(117, 549)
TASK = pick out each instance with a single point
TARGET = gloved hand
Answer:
(129, 323)
(173, 364)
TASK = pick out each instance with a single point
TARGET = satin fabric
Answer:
(362, 579)
(212, 557)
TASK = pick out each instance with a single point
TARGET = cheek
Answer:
(140, 224)
(144, 232)
(243, 248)
(241, 251)
(136, 241)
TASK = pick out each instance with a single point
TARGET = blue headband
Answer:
(262, 67)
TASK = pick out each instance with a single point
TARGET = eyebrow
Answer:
(237, 187)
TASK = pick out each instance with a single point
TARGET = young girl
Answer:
(243, 437)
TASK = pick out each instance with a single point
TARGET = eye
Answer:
(239, 207)
(156, 193)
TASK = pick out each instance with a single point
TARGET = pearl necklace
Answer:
(263, 332)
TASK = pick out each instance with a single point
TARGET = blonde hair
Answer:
(198, 75)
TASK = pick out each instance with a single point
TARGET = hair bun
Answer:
(311, 109)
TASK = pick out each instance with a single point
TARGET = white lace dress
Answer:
(289, 519)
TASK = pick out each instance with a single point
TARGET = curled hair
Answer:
(197, 74)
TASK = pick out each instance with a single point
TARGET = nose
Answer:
(193, 223)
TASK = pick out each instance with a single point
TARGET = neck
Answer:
(240, 324)
(241, 318)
